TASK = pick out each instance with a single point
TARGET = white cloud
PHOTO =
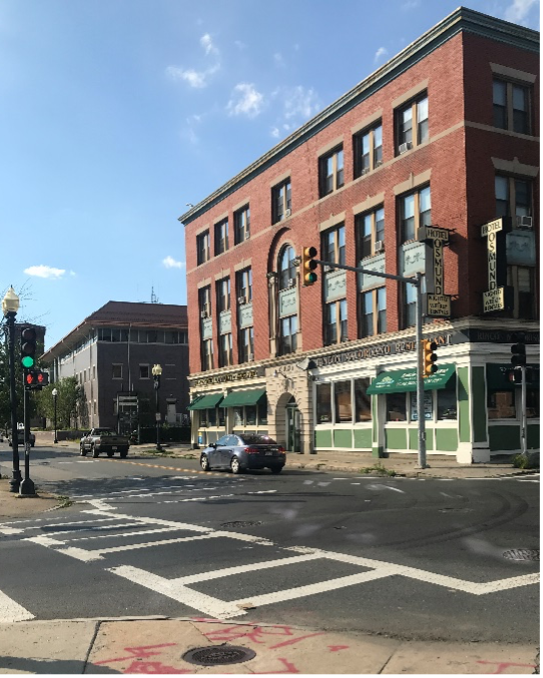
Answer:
(279, 60)
(42, 271)
(170, 262)
(207, 44)
(300, 102)
(519, 9)
(381, 52)
(275, 132)
(245, 100)
(198, 79)
(411, 4)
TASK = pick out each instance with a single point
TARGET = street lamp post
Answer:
(10, 306)
(157, 371)
(54, 393)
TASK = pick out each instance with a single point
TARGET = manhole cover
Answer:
(522, 554)
(218, 654)
(242, 523)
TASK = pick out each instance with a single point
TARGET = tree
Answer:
(71, 405)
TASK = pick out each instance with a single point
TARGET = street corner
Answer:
(161, 646)
(14, 506)
(463, 659)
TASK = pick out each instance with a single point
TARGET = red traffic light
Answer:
(30, 379)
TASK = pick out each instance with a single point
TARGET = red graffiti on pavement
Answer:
(140, 652)
(258, 634)
(153, 667)
(503, 665)
(337, 648)
(295, 640)
(289, 668)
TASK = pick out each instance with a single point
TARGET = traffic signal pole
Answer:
(524, 425)
(417, 282)
(27, 488)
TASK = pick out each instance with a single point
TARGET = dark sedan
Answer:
(238, 453)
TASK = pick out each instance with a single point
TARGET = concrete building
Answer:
(429, 165)
(112, 353)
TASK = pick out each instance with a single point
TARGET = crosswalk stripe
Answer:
(10, 611)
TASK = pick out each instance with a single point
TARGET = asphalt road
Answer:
(411, 558)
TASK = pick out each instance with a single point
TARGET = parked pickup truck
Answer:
(104, 440)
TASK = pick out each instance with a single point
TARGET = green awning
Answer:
(401, 381)
(206, 402)
(241, 398)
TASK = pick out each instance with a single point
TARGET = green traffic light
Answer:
(28, 361)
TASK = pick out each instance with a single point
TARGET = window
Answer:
(373, 312)
(288, 331)
(223, 295)
(446, 400)
(331, 172)
(225, 350)
(242, 224)
(335, 322)
(396, 408)
(206, 347)
(152, 336)
(409, 294)
(333, 245)
(324, 403)
(287, 269)
(281, 201)
(204, 302)
(362, 401)
(368, 150)
(246, 345)
(117, 371)
(203, 249)
(415, 211)
(244, 286)
(342, 402)
(412, 124)
(370, 232)
(207, 354)
(144, 371)
(221, 237)
(511, 106)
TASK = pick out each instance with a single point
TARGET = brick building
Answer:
(112, 353)
(444, 135)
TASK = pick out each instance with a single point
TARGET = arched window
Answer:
(287, 302)
(286, 268)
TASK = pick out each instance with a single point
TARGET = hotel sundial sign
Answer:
(438, 304)
(498, 297)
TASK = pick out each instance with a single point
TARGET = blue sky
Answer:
(117, 113)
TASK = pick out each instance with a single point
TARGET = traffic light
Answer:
(28, 348)
(309, 265)
(518, 350)
(36, 379)
(429, 358)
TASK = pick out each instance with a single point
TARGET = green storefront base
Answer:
(343, 439)
(507, 437)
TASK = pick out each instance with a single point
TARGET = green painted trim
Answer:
(462, 19)
(378, 452)
(343, 437)
(533, 437)
(446, 440)
(362, 438)
(323, 438)
(375, 419)
(478, 405)
(396, 439)
(504, 437)
(414, 439)
(464, 426)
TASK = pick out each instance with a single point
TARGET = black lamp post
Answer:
(54, 393)
(157, 371)
(10, 306)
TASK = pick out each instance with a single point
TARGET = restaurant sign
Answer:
(498, 297)
(437, 303)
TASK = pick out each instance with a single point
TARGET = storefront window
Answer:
(324, 407)
(342, 396)
(250, 415)
(263, 412)
(446, 400)
(501, 404)
(428, 404)
(396, 409)
(212, 417)
(532, 402)
(222, 416)
(362, 400)
(238, 416)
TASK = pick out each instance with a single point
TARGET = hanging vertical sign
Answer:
(437, 303)
(498, 297)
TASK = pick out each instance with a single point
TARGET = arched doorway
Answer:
(288, 422)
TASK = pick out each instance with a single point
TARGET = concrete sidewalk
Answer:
(158, 646)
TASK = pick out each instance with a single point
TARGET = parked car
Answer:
(21, 437)
(242, 452)
(103, 440)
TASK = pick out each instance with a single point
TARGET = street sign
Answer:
(157, 416)
(438, 305)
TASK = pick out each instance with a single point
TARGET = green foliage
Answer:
(525, 461)
(71, 403)
(378, 469)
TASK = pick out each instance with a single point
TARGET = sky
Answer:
(117, 114)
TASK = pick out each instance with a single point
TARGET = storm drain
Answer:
(218, 654)
(522, 554)
(242, 523)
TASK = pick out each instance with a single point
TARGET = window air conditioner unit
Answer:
(241, 300)
(288, 212)
(524, 222)
(365, 170)
(292, 282)
(379, 246)
(250, 357)
(203, 315)
(405, 147)
(378, 163)
(247, 235)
